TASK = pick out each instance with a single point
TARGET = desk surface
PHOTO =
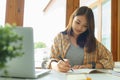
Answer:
(62, 76)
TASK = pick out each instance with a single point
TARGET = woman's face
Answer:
(79, 25)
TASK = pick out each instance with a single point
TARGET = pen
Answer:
(63, 60)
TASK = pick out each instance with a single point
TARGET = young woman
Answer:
(78, 46)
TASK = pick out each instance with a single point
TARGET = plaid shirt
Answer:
(100, 55)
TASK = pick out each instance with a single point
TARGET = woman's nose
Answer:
(80, 27)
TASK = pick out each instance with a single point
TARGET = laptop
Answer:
(24, 66)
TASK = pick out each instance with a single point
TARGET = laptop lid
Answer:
(24, 66)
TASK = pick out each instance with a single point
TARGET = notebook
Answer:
(24, 67)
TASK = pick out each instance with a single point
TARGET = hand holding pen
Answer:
(64, 61)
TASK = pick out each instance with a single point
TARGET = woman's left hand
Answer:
(81, 66)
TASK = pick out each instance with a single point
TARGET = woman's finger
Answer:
(63, 66)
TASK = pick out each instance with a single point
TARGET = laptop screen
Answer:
(23, 66)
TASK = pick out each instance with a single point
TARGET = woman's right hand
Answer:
(61, 66)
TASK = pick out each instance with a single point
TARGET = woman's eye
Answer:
(86, 26)
(77, 22)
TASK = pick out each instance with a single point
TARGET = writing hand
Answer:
(63, 60)
(63, 66)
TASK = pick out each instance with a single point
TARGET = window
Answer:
(106, 23)
(102, 13)
(2, 11)
(86, 2)
(47, 19)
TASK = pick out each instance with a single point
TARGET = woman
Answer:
(78, 46)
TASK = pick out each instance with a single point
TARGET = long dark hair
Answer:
(86, 39)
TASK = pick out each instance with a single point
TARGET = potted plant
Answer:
(8, 48)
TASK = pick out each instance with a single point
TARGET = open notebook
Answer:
(88, 71)
(24, 66)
